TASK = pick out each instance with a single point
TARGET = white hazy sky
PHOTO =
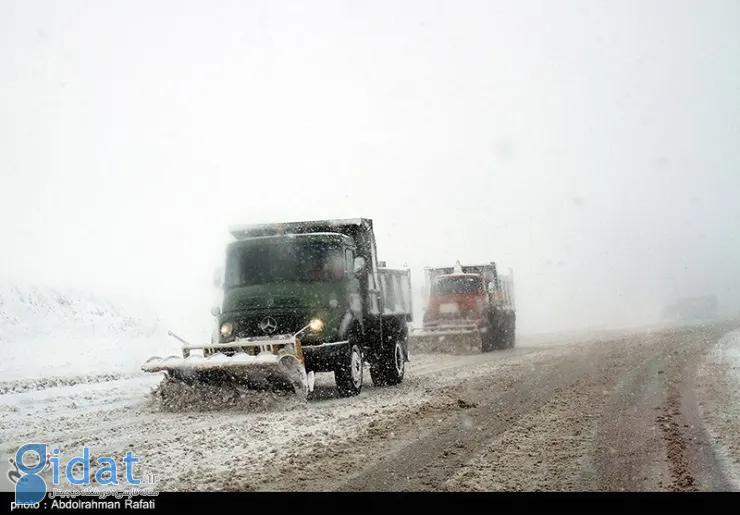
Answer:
(593, 146)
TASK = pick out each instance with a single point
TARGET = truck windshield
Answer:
(284, 261)
(457, 285)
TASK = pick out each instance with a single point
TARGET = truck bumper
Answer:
(442, 327)
(324, 357)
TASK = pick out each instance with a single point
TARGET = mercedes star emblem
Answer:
(268, 325)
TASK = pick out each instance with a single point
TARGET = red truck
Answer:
(469, 305)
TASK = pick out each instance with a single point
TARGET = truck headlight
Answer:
(227, 329)
(316, 325)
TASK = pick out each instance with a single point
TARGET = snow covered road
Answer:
(190, 450)
(555, 414)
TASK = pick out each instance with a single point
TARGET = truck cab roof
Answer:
(312, 226)
(323, 235)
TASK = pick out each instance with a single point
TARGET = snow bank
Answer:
(728, 352)
(719, 394)
(47, 333)
(32, 311)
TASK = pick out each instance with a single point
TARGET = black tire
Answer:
(512, 333)
(349, 374)
(390, 369)
(487, 336)
(486, 340)
(499, 330)
(499, 338)
(504, 341)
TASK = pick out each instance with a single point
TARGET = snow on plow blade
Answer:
(447, 338)
(257, 364)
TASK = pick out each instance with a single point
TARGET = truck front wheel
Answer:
(348, 375)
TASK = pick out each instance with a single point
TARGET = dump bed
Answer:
(488, 271)
(506, 288)
(395, 285)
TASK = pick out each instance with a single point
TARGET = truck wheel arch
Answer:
(350, 324)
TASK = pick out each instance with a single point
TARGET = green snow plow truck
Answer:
(300, 298)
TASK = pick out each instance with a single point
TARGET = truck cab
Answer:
(456, 297)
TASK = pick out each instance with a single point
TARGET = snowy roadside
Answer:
(47, 362)
(51, 337)
(718, 383)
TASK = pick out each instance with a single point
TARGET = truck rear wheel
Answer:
(511, 336)
(390, 369)
(488, 337)
(348, 375)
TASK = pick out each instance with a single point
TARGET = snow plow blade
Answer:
(257, 364)
(448, 339)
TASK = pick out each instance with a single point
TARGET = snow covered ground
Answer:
(729, 351)
(719, 394)
(70, 377)
(274, 443)
(194, 449)
(51, 337)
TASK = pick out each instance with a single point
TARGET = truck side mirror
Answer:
(490, 287)
(218, 277)
(215, 311)
(359, 264)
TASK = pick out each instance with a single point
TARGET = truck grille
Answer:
(287, 323)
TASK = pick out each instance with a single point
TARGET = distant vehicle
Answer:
(469, 305)
(693, 309)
